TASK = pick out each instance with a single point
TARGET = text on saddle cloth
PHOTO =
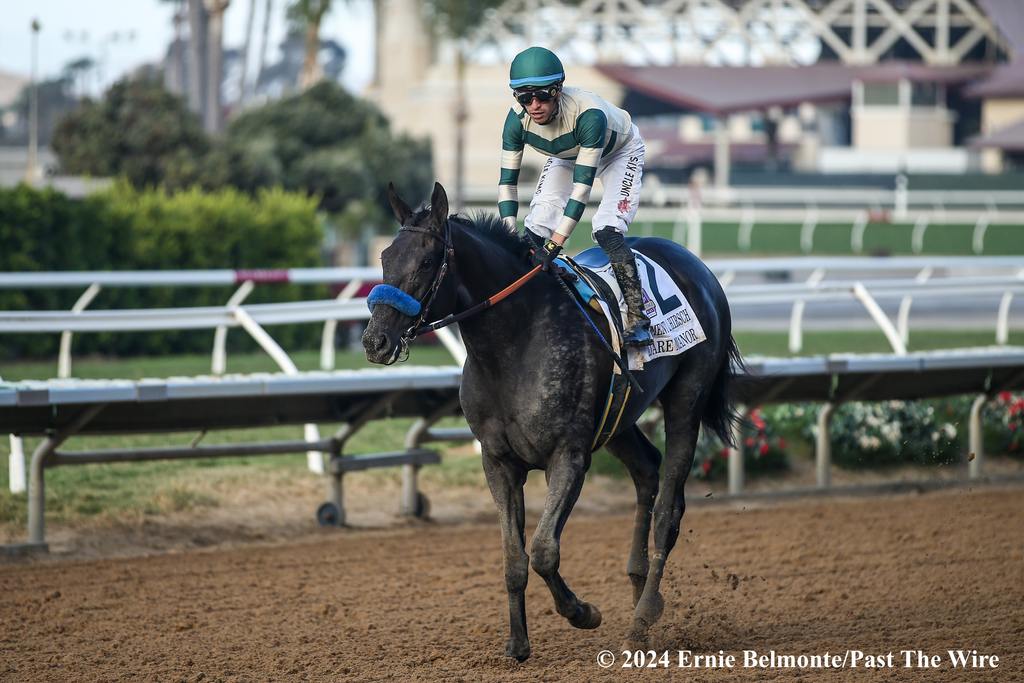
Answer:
(674, 325)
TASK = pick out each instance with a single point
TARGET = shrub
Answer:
(124, 228)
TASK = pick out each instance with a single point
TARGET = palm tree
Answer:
(457, 20)
(309, 14)
(215, 50)
(197, 71)
(263, 43)
(245, 55)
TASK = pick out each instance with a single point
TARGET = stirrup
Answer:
(639, 335)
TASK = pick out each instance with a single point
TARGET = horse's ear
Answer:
(398, 207)
(439, 206)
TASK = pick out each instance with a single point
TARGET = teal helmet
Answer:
(535, 67)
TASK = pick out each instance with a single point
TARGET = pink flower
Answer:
(706, 466)
(764, 449)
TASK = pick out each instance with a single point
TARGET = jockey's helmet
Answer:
(535, 67)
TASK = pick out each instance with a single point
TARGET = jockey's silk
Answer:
(585, 128)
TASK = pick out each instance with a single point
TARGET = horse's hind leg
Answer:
(684, 404)
(506, 479)
(642, 459)
(565, 479)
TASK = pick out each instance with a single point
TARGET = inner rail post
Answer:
(335, 484)
(414, 438)
(331, 326)
(736, 464)
(314, 459)
(37, 481)
(796, 316)
(880, 318)
(976, 438)
(219, 362)
(823, 446)
(64, 355)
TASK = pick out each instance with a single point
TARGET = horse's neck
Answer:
(484, 269)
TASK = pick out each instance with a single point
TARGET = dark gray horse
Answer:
(534, 380)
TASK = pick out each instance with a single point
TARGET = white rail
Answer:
(184, 278)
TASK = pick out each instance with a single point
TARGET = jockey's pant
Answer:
(620, 175)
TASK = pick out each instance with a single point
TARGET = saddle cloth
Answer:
(674, 325)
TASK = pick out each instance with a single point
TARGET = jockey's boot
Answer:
(638, 326)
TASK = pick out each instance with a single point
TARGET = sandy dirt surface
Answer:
(426, 601)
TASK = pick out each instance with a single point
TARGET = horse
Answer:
(534, 379)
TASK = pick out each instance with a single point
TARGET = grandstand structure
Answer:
(819, 86)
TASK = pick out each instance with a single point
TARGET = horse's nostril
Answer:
(374, 342)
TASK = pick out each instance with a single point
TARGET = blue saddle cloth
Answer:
(592, 258)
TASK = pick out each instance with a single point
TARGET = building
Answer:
(824, 86)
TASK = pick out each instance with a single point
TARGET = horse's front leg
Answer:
(505, 479)
(565, 475)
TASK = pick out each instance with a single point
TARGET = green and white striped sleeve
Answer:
(591, 127)
(512, 143)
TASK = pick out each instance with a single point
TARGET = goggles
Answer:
(525, 95)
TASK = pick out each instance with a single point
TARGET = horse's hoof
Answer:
(649, 610)
(635, 640)
(518, 651)
(587, 616)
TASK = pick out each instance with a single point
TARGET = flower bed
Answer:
(763, 451)
(1003, 420)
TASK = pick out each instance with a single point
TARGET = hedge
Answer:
(126, 229)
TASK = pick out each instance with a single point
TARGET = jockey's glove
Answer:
(544, 255)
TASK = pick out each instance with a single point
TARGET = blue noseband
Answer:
(395, 298)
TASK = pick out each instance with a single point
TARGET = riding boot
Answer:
(638, 326)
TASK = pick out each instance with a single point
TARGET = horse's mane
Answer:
(490, 227)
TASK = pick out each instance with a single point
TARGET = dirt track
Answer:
(930, 572)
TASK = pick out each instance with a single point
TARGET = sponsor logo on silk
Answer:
(623, 206)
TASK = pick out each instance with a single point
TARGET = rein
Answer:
(452, 318)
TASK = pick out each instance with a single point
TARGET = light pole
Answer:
(32, 169)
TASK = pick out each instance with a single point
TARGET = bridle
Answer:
(417, 327)
(423, 305)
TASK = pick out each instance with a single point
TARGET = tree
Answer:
(55, 97)
(215, 9)
(309, 14)
(138, 130)
(457, 19)
(78, 71)
(327, 143)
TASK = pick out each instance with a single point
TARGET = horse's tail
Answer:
(720, 412)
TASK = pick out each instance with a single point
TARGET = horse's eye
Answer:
(427, 263)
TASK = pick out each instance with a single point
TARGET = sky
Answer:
(123, 34)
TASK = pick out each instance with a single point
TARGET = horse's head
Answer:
(414, 266)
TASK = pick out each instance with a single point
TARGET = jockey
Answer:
(583, 137)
